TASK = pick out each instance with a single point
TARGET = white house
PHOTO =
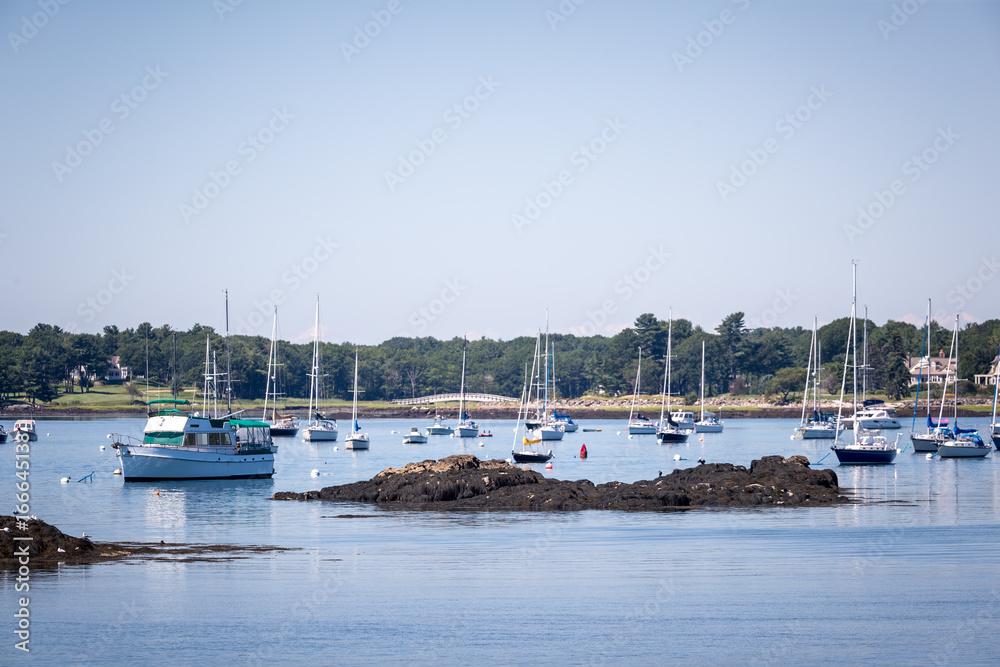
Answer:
(932, 370)
(990, 377)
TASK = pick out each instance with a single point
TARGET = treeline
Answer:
(738, 360)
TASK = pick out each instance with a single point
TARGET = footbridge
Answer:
(448, 398)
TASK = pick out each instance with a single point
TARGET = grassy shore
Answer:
(115, 400)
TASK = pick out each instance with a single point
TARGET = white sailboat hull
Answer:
(923, 442)
(642, 429)
(356, 441)
(316, 434)
(708, 427)
(818, 433)
(151, 463)
(440, 430)
(959, 450)
(467, 430)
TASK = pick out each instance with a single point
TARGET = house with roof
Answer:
(932, 370)
(989, 378)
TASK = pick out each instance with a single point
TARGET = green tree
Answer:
(895, 372)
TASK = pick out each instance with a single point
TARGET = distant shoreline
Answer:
(18, 411)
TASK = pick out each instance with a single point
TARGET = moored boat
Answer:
(24, 430)
(439, 427)
(320, 428)
(414, 437)
(177, 445)
(669, 431)
(356, 439)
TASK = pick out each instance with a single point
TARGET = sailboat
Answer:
(815, 428)
(528, 452)
(283, 425)
(639, 425)
(960, 442)
(936, 432)
(709, 424)
(867, 447)
(545, 425)
(466, 427)
(356, 439)
(565, 421)
(320, 428)
(669, 430)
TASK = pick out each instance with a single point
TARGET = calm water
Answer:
(909, 577)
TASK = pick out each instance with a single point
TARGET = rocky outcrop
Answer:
(49, 547)
(463, 481)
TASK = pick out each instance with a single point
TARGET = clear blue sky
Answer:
(310, 118)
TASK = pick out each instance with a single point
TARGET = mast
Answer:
(809, 369)
(663, 395)
(461, 391)
(864, 362)
(314, 375)
(854, 338)
(635, 392)
(955, 427)
(920, 370)
(947, 374)
(271, 362)
(229, 373)
(702, 418)
(545, 400)
(354, 410)
(147, 367)
(204, 394)
(670, 354)
(173, 365)
(996, 389)
(818, 388)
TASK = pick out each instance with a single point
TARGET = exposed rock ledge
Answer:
(49, 547)
(463, 481)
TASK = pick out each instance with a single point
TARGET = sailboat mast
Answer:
(925, 341)
(996, 392)
(670, 354)
(809, 370)
(947, 373)
(204, 393)
(819, 376)
(854, 340)
(313, 386)
(635, 391)
(229, 369)
(864, 359)
(702, 418)
(270, 365)
(461, 392)
(957, 316)
(354, 410)
(666, 366)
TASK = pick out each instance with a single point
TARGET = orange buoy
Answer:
(548, 466)
(583, 451)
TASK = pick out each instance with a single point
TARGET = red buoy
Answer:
(583, 452)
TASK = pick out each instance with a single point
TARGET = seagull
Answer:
(61, 550)
(85, 535)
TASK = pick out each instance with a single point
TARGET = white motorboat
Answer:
(356, 439)
(818, 431)
(176, 446)
(567, 423)
(877, 419)
(24, 430)
(414, 437)
(320, 428)
(439, 427)
(683, 418)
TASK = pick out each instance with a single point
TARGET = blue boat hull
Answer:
(863, 457)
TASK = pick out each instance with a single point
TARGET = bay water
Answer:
(909, 574)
